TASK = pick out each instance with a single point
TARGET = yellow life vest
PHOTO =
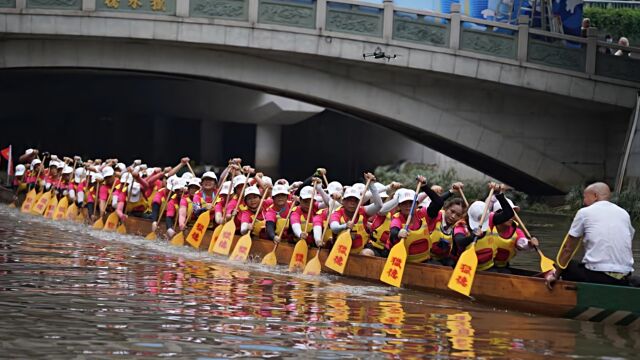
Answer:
(381, 233)
(441, 243)
(485, 251)
(418, 243)
(141, 202)
(505, 249)
(305, 226)
(358, 234)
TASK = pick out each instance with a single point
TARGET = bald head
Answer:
(596, 192)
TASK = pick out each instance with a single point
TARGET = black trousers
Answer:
(576, 271)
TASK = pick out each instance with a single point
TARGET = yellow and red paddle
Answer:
(113, 222)
(314, 266)
(63, 205)
(32, 195)
(463, 274)
(270, 259)
(243, 246)
(546, 264)
(394, 266)
(339, 254)
(225, 239)
(202, 223)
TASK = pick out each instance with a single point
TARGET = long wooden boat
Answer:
(520, 291)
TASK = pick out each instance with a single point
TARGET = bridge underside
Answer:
(532, 140)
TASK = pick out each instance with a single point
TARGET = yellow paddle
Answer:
(112, 220)
(178, 239)
(197, 231)
(314, 266)
(394, 266)
(225, 239)
(270, 259)
(215, 200)
(300, 251)
(546, 264)
(63, 204)
(32, 195)
(243, 246)
(463, 274)
(339, 254)
(152, 235)
(218, 229)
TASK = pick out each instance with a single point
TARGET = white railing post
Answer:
(253, 11)
(182, 8)
(89, 5)
(387, 20)
(523, 37)
(321, 14)
(21, 4)
(592, 50)
(455, 27)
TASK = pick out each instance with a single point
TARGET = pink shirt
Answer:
(273, 214)
(340, 216)
(103, 193)
(199, 195)
(399, 221)
(172, 205)
(160, 195)
(320, 218)
(297, 214)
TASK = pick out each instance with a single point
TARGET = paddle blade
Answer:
(178, 239)
(99, 224)
(41, 204)
(151, 236)
(112, 222)
(197, 231)
(299, 256)
(121, 229)
(61, 209)
(546, 264)
(462, 276)
(80, 218)
(339, 254)
(241, 251)
(28, 202)
(72, 212)
(394, 266)
(223, 243)
(313, 266)
(270, 259)
(51, 207)
(214, 237)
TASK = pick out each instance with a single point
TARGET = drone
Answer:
(379, 54)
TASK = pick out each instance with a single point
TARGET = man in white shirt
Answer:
(606, 233)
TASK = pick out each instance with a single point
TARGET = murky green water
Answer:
(70, 292)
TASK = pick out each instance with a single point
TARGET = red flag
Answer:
(6, 152)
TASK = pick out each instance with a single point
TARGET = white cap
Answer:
(406, 195)
(79, 175)
(35, 162)
(226, 187)
(53, 163)
(121, 166)
(176, 184)
(28, 152)
(334, 187)
(135, 192)
(20, 169)
(497, 206)
(143, 167)
(238, 180)
(267, 180)
(170, 181)
(107, 171)
(306, 192)
(60, 165)
(187, 176)
(194, 182)
(210, 175)
(380, 187)
(283, 182)
(126, 178)
(352, 192)
(475, 213)
(251, 190)
(150, 171)
(359, 186)
(96, 177)
(67, 170)
(279, 190)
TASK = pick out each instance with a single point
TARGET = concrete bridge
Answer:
(534, 109)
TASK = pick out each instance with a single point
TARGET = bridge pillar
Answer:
(21, 4)
(454, 34)
(88, 5)
(523, 37)
(592, 50)
(387, 29)
(182, 8)
(268, 149)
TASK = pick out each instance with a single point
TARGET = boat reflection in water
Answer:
(67, 291)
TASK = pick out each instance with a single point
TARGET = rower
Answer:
(36, 167)
(606, 233)
(416, 237)
(178, 186)
(133, 204)
(301, 227)
(276, 214)
(105, 189)
(92, 192)
(244, 218)
(441, 231)
(465, 232)
(76, 191)
(380, 224)
(203, 198)
(185, 214)
(321, 217)
(341, 219)
(508, 238)
(221, 203)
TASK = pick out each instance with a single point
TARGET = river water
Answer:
(67, 291)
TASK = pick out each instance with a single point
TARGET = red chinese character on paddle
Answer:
(195, 236)
(393, 273)
(397, 262)
(462, 280)
(223, 244)
(242, 250)
(199, 227)
(465, 269)
(342, 250)
(299, 257)
(338, 260)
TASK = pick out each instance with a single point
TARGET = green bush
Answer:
(616, 22)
